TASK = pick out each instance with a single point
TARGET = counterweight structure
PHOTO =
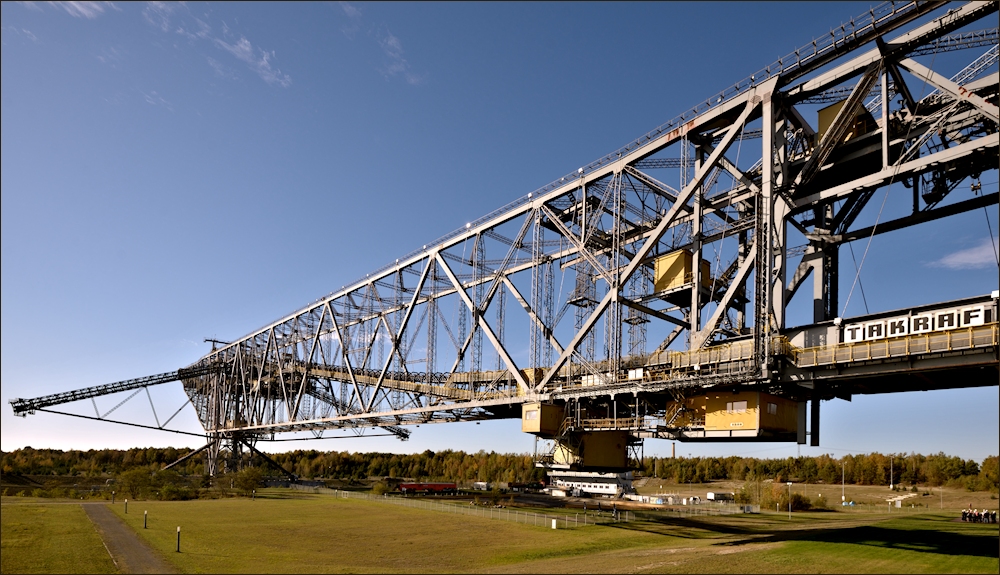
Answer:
(659, 311)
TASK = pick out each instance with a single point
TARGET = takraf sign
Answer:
(915, 324)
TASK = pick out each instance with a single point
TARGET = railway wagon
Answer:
(440, 488)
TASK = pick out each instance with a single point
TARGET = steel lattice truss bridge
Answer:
(610, 271)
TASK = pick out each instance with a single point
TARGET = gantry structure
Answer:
(652, 286)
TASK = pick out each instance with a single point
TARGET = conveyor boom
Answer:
(23, 407)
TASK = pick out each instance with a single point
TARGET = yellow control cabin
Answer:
(601, 449)
(862, 123)
(674, 271)
(749, 413)
(542, 419)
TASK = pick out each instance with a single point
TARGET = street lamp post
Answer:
(789, 500)
(843, 497)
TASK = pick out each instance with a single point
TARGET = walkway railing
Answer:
(903, 346)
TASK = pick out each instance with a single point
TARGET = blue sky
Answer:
(174, 172)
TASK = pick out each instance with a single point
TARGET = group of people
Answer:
(977, 516)
(614, 510)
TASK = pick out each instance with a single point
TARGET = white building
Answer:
(582, 483)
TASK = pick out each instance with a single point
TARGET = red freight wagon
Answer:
(428, 488)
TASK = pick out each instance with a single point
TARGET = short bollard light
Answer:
(126, 506)
(178, 538)
(145, 518)
(112, 497)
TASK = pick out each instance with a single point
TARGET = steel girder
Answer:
(363, 356)
(751, 173)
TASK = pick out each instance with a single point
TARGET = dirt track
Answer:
(130, 554)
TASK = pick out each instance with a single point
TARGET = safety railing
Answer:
(738, 351)
(903, 346)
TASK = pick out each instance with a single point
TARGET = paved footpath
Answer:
(130, 553)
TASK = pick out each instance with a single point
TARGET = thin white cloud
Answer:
(391, 45)
(155, 99)
(177, 18)
(110, 56)
(21, 32)
(159, 14)
(397, 64)
(983, 255)
(258, 60)
(89, 10)
(201, 30)
(116, 99)
(354, 18)
(242, 48)
(351, 10)
(221, 70)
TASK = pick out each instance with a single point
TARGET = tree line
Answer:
(862, 469)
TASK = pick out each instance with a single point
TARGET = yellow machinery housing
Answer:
(542, 419)
(863, 123)
(607, 449)
(675, 270)
(746, 413)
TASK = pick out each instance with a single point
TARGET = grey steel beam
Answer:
(618, 219)
(487, 330)
(26, 406)
(987, 144)
(989, 110)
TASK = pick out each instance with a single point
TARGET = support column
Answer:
(694, 317)
(801, 435)
(831, 280)
(764, 295)
(824, 271)
(779, 212)
(814, 419)
(885, 120)
(743, 251)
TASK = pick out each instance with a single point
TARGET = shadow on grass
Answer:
(934, 541)
(923, 534)
(685, 528)
(278, 493)
(698, 528)
(285, 496)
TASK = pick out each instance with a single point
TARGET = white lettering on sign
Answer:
(915, 324)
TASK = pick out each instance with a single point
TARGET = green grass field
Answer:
(292, 532)
(50, 538)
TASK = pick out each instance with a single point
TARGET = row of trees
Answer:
(94, 462)
(434, 466)
(867, 469)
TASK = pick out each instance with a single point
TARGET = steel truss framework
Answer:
(423, 339)
(394, 347)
